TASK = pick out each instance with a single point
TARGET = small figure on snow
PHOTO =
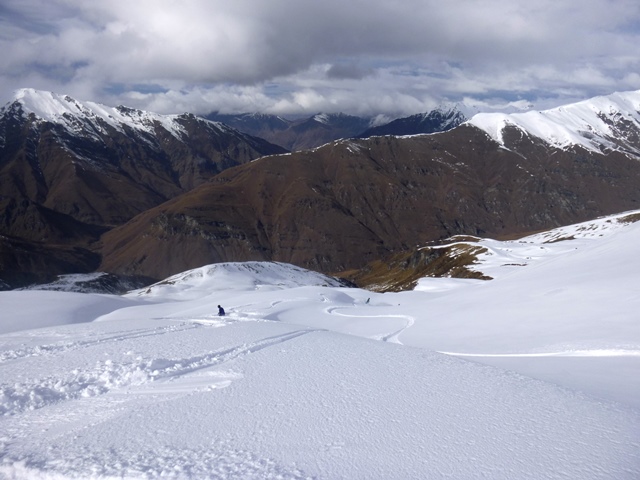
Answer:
(220, 311)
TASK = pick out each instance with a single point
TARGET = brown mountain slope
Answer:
(65, 181)
(106, 178)
(348, 203)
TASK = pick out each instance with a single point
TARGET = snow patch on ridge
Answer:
(591, 124)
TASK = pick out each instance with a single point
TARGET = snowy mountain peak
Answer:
(90, 118)
(48, 105)
(322, 118)
(330, 118)
(599, 124)
(448, 109)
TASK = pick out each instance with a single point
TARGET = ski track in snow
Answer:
(410, 321)
(104, 390)
(63, 347)
(186, 323)
(388, 337)
(106, 376)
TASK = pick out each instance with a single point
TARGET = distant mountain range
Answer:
(87, 187)
(300, 134)
(317, 130)
(439, 120)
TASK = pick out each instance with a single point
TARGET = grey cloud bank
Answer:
(296, 57)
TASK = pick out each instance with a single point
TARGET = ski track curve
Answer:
(393, 337)
(390, 337)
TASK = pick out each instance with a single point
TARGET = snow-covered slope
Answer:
(236, 277)
(162, 398)
(497, 258)
(302, 380)
(599, 124)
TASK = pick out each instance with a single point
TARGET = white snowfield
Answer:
(304, 379)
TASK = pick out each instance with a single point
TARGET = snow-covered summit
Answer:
(322, 118)
(602, 123)
(238, 276)
(86, 117)
(334, 118)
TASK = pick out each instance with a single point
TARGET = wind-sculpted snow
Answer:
(304, 378)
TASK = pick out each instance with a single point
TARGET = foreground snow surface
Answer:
(306, 379)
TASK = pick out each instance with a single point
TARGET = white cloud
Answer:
(288, 56)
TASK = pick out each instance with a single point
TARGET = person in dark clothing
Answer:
(220, 311)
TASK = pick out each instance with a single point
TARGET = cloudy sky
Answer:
(291, 57)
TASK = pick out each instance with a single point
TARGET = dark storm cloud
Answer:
(349, 70)
(292, 55)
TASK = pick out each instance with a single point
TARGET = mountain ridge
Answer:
(438, 120)
(321, 128)
(598, 124)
